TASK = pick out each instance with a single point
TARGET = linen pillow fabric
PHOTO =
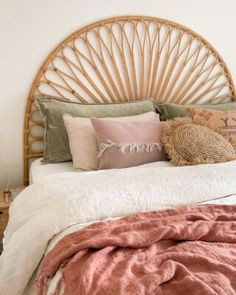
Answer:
(83, 142)
(128, 144)
(191, 144)
(170, 111)
(56, 144)
(217, 120)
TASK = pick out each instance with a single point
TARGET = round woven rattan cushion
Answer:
(191, 144)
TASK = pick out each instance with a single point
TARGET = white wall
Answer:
(30, 29)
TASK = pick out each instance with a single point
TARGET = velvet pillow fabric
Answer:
(221, 120)
(56, 143)
(82, 138)
(128, 144)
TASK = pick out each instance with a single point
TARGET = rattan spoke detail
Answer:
(127, 58)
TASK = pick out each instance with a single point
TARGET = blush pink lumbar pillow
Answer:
(126, 144)
(83, 142)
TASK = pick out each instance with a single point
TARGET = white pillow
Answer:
(82, 138)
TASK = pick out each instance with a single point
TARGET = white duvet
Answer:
(46, 209)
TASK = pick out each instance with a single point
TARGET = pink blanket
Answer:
(189, 250)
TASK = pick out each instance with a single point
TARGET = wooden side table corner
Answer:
(5, 202)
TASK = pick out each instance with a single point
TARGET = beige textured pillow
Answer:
(191, 144)
(83, 142)
(221, 120)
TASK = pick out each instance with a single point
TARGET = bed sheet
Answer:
(38, 170)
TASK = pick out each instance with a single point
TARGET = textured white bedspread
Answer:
(45, 209)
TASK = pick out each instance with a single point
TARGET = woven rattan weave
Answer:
(191, 144)
(126, 58)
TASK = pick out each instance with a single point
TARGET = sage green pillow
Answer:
(170, 111)
(56, 142)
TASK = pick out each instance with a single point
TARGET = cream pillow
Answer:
(82, 138)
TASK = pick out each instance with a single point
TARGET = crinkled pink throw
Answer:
(189, 250)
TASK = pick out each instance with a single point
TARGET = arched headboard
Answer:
(126, 58)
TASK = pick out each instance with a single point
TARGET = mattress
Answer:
(38, 171)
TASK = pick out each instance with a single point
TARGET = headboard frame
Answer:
(126, 58)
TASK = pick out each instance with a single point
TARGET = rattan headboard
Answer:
(126, 58)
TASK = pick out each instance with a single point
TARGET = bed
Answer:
(155, 228)
(38, 171)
